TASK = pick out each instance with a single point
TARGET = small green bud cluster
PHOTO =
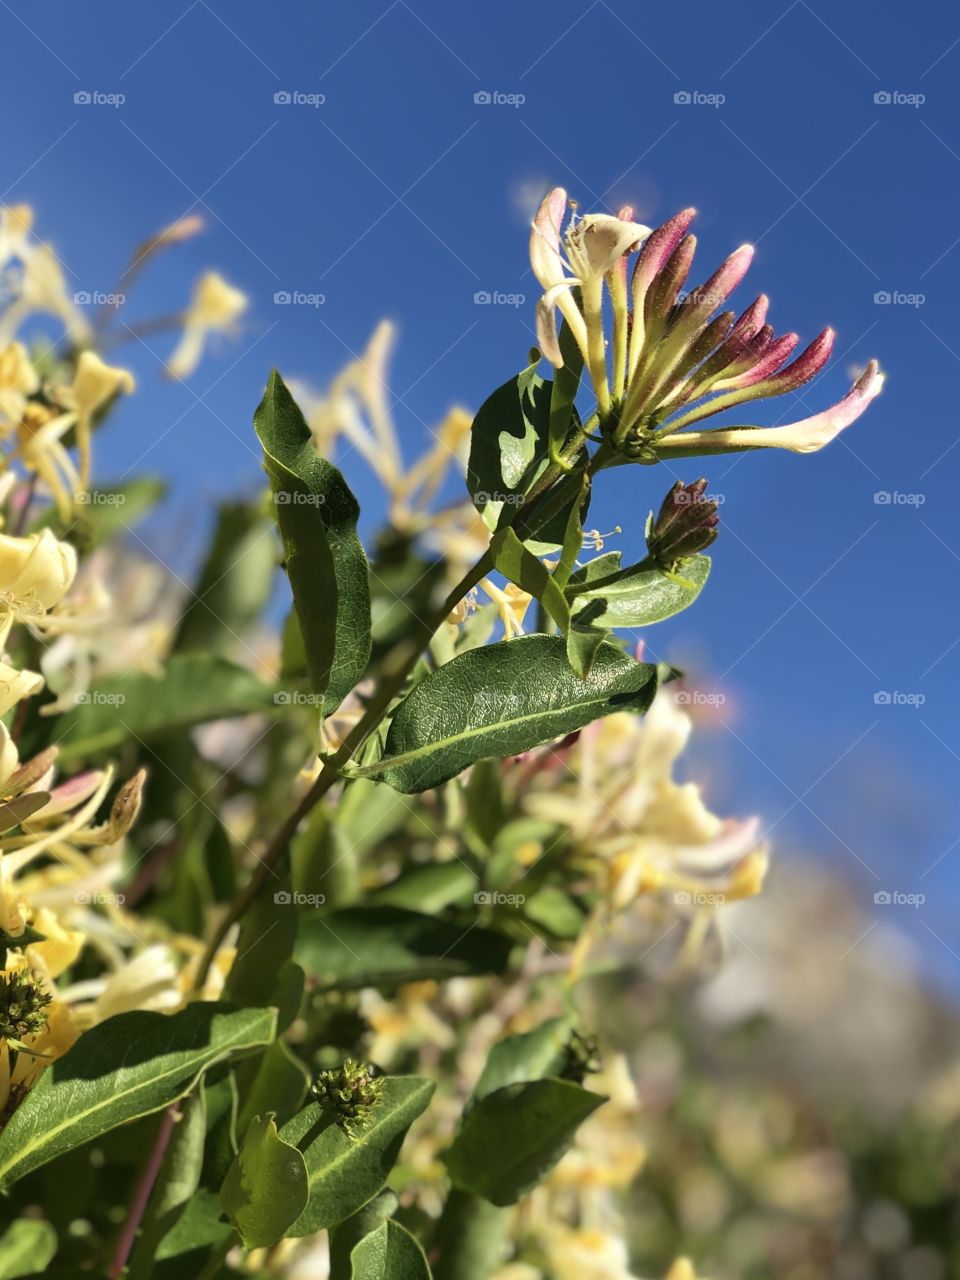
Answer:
(23, 1005)
(351, 1091)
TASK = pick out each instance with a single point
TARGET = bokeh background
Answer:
(826, 135)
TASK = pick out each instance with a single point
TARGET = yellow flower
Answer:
(94, 385)
(215, 308)
(16, 685)
(35, 574)
(18, 380)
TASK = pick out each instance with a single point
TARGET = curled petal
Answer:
(806, 436)
(545, 238)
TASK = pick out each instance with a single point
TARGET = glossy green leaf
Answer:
(511, 1138)
(529, 1056)
(381, 945)
(639, 597)
(276, 1081)
(350, 1232)
(129, 1066)
(389, 1253)
(193, 688)
(501, 700)
(515, 562)
(509, 447)
(317, 517)
(344, 1172)
(266, 1188)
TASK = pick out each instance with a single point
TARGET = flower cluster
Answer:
(674, 362)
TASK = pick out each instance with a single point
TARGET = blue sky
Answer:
(402, 196)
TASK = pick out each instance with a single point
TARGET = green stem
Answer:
(469, 1239)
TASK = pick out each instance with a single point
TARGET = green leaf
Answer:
(384, 945)
(266, 1188)
(193, 688)
(266, 941)
(429, 887)
(638, 597)
(276, 1082)
(317, 517)
(514, 561)
(509, 446)
(511, 1138)
(353, 1229)
(233, 587)
(129, 1066)
(529, 1056)
(107, 513)
(389, 1253)
(345, 1172)
(177, 1182)
(26, 1246)
(501, 700)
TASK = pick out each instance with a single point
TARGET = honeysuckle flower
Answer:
(685, 524)
(36, 571)
(639, 830)
(681, 362)
(16, 685)
(94, 385)
(18, 381)
(581, 258)
(216, 307)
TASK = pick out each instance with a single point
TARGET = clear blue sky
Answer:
(402, 196)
